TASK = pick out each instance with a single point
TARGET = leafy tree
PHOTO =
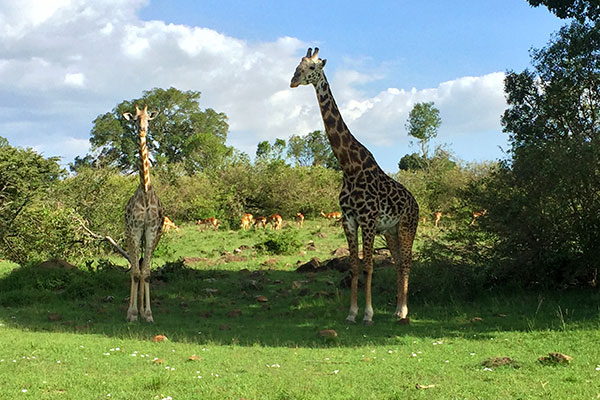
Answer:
(181, 133)
(312, 149)
(423, 123)
(3, 141)
(412, 162)
(544, 203)
(267, 152)
(578, 9)
(25, 179)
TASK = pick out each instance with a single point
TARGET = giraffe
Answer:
(369, 199)
(144, 220)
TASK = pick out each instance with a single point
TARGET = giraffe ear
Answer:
(323, 62)
(127, 116)
(152, 115)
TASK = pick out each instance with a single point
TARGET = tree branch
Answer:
(106, 238)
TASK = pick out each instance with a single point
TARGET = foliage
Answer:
(578, 9)
(25, 178)
(423, 123)
(282, 242)
(312, 149)
(544, 203)
(181, 133)
(269, 153)
(412, 162)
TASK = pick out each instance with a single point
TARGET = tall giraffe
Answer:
(369, 199)
(143, 224)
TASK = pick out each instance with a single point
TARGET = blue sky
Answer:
(67, 61)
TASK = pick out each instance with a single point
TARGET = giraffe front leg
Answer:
(406, 238)
(368, 233)
(132, 311)
(350, 230)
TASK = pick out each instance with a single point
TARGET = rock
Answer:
(328, 333)
(341, 252)
(261, 299)
(235, 313)
(310, 266)
(108, 299)
(159, 338)
(54, 317)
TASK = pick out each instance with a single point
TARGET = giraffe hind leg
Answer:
(406, 236)
(133, 241)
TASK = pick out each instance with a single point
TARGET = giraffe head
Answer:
(310, 69)
(141, 118)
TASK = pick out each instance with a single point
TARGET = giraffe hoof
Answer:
(132, 318)
(367, 322)
(404, 321)
(350, 321)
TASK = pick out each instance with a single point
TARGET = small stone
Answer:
(159, 338)
(328, 333)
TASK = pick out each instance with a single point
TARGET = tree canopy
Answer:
(545, 199)
(181, 133)
(312, 149)
(423, 123)
(578, 9)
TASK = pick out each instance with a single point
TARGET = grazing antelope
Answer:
(260, 222)
(168, 225)
(477, 214)
(247, 221)
(438, 217)
(332, 215)
(299, 219)
(209, 222)
(276, 221)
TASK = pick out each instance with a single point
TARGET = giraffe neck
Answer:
(351, 154)
(145, 163)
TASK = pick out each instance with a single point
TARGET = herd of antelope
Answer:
(275, 221)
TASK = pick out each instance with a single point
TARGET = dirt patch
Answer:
(57, 264)
(496, 362)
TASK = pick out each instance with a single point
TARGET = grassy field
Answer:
(242, 324)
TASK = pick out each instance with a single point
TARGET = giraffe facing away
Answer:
(144, 220)
(370, 199)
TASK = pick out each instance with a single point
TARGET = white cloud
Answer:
(75, 79)
(52, 50)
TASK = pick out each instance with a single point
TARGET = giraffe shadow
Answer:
(270, 307)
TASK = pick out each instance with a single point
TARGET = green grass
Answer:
(62, 337)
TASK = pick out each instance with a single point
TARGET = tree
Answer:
(312, 149)
(267, 152)
(544, 203)
(3, 141)
(423, 123)
(25, 180)
(578, 9)
(181, 133)
(412, 162)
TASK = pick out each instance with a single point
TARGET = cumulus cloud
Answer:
(67, 61)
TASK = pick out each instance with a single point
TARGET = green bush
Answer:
(280, 242)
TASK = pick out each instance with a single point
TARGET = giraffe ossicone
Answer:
(369, 199)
